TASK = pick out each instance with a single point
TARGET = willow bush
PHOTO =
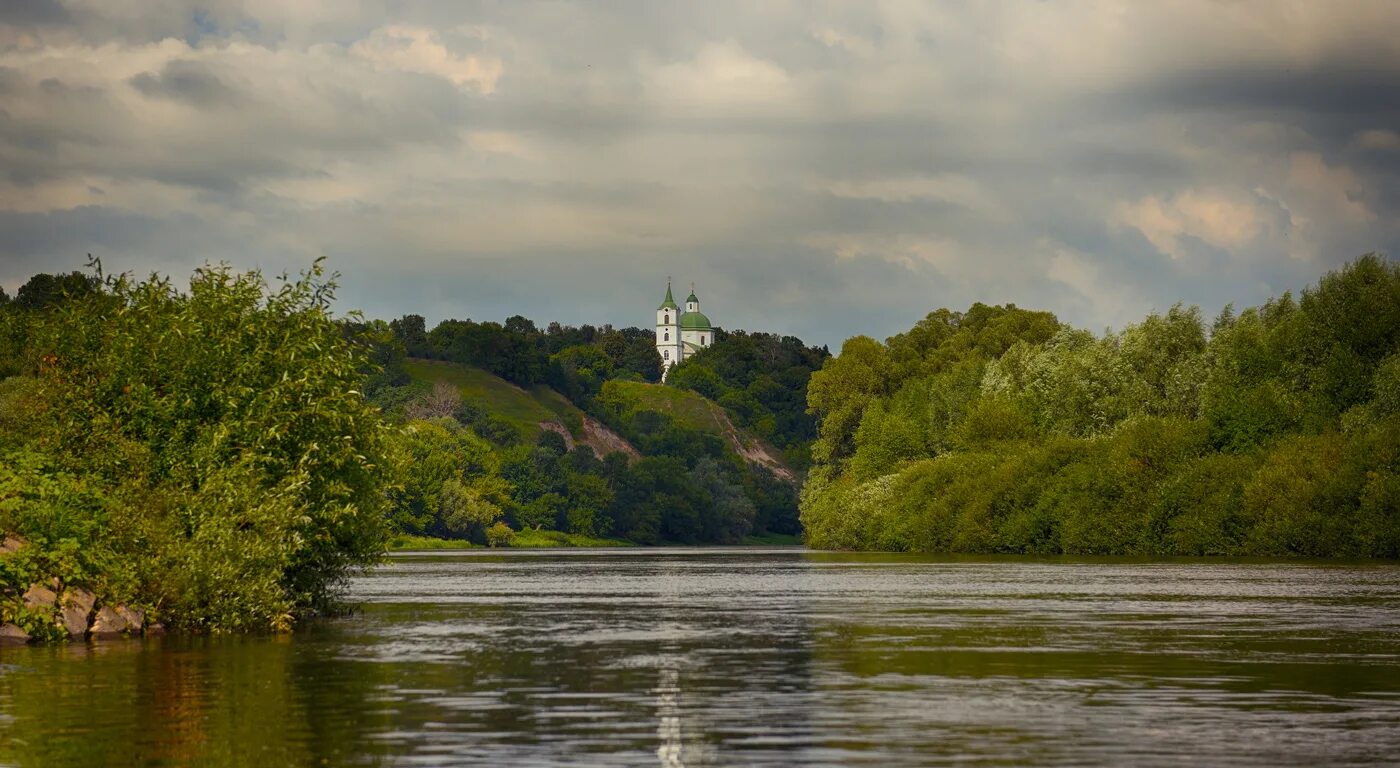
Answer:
(206, 451)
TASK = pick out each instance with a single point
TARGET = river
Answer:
(690, 657)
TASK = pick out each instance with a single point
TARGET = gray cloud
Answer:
(188, 82)
(820, 170)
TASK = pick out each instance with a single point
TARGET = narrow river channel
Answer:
(691, 657)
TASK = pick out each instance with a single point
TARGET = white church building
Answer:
(681, 334)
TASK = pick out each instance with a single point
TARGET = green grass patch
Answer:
(526, 539)
(522, 409)
(531, 539)
(689, 409)
(404, 541)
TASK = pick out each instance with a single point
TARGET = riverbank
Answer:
(526, 539)
(532, 539)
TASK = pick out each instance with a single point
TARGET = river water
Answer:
(689, 657)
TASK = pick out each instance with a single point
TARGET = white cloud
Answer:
(1216, 218)
(1109, 300)
(417, 49)
(845, 41)
(722, 74)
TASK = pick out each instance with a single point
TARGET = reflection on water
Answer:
(668, 729)
(753, 657)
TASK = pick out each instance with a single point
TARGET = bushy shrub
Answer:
(228, 458)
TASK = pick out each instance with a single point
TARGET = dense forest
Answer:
(1274, 431)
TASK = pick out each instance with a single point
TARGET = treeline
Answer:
(1272, 432)
(574, 360)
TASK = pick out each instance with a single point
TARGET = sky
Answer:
(816, 169)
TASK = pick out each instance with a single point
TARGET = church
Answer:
(681, 334)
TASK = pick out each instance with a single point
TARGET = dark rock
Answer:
(75, 611)
(108, 623)
(13, 635)
(39, 596)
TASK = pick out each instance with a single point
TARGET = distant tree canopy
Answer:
(44, 290)
(1001, 430)
(573, 360)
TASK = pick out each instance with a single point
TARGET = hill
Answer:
(693, 411)
(528, 410)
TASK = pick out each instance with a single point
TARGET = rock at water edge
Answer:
(75, 610)
(108, 623)
(133, 617)
(13, 635)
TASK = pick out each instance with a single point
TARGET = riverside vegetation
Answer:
(1274, 432)
(204, 456)
(222, 458)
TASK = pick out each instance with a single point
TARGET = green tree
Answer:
(245, 473)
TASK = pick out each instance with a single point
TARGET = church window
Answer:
(702, 341)
(667, 336)
(666, 319)
(666, 353)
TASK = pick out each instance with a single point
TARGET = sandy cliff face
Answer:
(596, 435)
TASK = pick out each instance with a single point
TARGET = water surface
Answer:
(754, 657)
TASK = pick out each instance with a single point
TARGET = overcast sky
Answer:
(818, 169)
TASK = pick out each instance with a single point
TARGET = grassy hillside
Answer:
(526, 410)
(693, 411)
(523, 409)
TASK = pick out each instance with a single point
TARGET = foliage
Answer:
(231, 473)
(761, 380)
(998, 430)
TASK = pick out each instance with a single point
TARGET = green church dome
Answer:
(695, 321)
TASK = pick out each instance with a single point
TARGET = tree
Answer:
(412, 332)
(588, 501)
(44, 290)
(728, 513)
(244, 473)
(442, 402)
(840, 391)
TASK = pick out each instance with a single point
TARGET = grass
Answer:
(687, 408)
(522, 409)
(533, 539)
(526, 539)
(404, 541)
(690, 410)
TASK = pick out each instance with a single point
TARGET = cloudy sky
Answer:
(817, 169)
